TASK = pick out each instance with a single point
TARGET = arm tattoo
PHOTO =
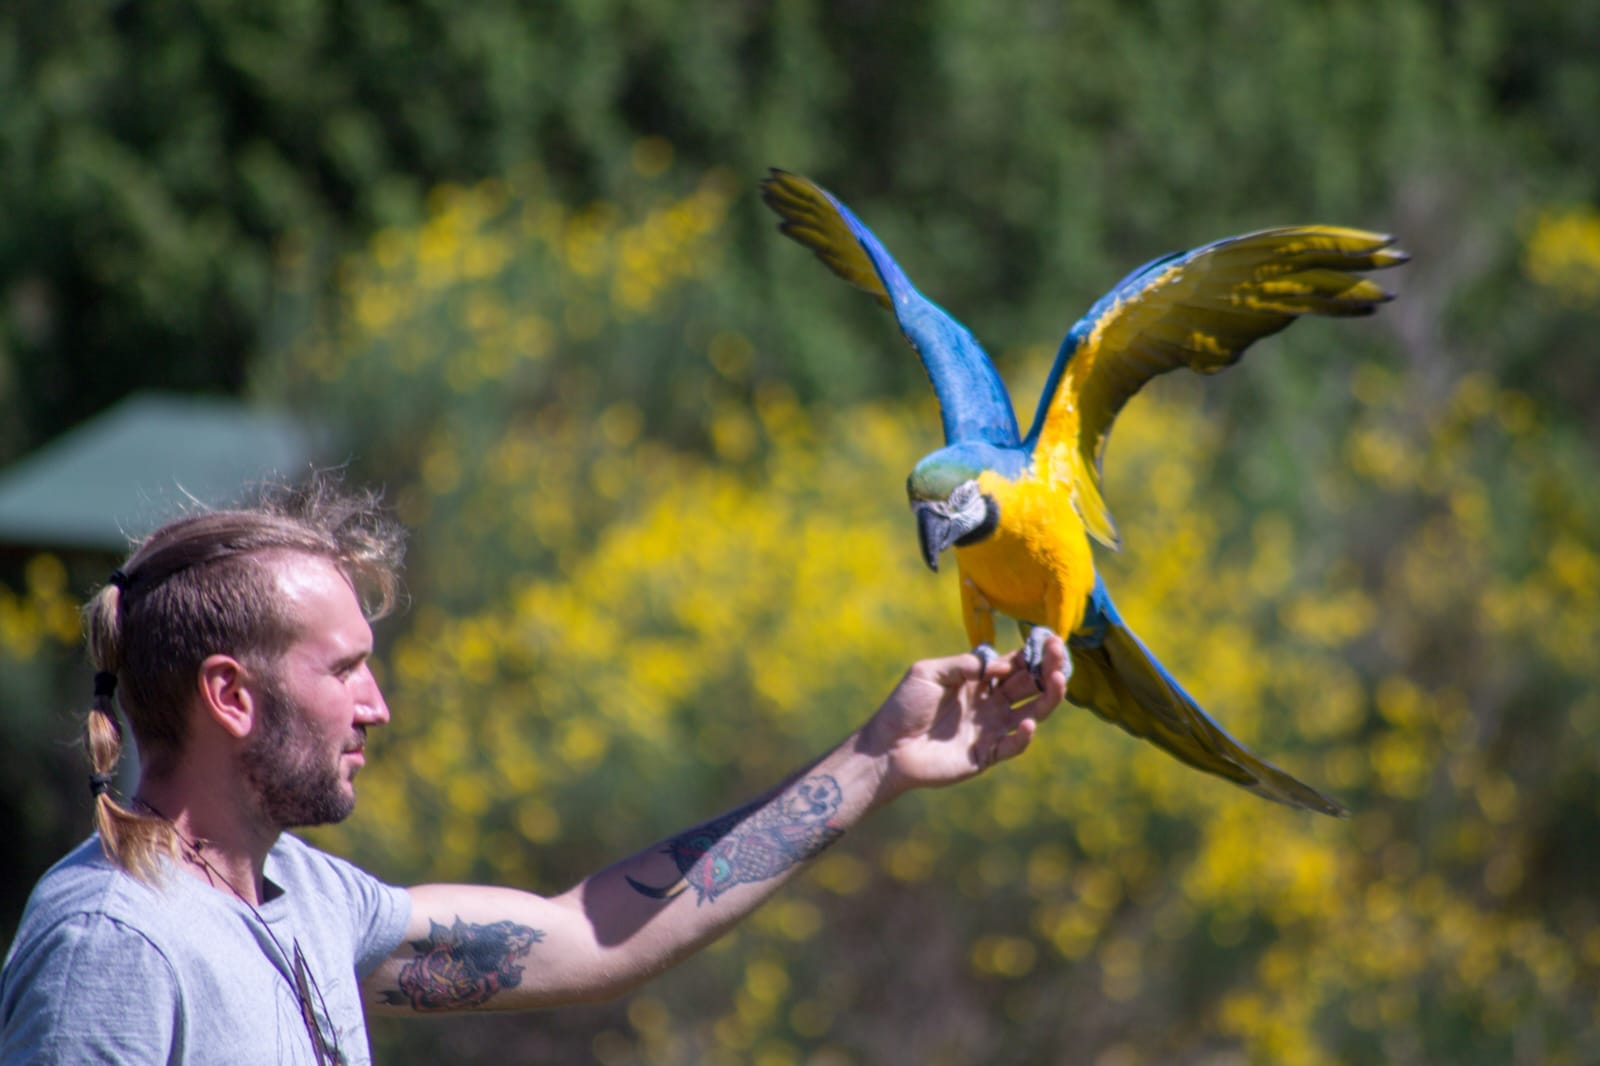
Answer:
(753, 843)
(463, 965)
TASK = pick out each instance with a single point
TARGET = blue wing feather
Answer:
(973, 401)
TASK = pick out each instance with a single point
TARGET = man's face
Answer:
(316, 702)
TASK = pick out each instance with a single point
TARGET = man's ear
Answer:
(226, 696)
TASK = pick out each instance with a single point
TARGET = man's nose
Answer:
(370, 706)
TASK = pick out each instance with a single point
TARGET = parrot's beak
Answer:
(935, 532)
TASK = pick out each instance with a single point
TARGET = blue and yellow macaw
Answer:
(1020, 510)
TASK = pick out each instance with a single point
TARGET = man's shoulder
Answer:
(85, 881)
(340, 900)
(86, 904)
(90, 890)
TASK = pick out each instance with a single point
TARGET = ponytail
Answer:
(134, 841)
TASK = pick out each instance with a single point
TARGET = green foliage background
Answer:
(652, 454)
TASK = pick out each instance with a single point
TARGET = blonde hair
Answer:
(204, 585)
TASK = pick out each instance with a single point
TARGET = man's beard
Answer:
(296, 781)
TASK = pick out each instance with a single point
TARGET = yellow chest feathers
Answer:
(1036, 566)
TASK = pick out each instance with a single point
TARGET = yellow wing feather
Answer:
(1201, 311)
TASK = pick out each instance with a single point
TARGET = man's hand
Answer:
(952, 718)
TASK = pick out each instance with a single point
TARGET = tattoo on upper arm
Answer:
(463, 965)
(754, 843)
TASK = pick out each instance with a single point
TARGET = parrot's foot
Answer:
(986, 655)
(1033, 652)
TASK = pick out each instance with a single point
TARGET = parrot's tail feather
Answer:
(1119, 680)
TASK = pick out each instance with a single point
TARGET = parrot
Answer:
(1020, 511)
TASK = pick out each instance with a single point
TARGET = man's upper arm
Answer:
(89, 990)
(472, 947)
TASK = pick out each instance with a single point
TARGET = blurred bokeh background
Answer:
(511, 258)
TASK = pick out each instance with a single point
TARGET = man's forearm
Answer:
(755, 843)
(674, 897)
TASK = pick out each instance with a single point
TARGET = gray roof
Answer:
(128, 469)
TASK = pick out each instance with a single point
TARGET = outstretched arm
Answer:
(499, 949)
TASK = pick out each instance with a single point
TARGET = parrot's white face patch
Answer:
(966, 506)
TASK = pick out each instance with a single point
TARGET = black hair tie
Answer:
(99, 784)
(105, 683)
(119, 578)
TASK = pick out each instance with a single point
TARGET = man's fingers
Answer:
(1016, 742)
(1035, 708)
(1018, 686)
(954, 670)
(1054, 691)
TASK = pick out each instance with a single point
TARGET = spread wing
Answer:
(973, 401)
(1199, 309)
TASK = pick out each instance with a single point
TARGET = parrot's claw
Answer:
(986, 655)
(1033, 652)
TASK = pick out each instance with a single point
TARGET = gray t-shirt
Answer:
(106, 968)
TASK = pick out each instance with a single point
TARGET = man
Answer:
(192, 929)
